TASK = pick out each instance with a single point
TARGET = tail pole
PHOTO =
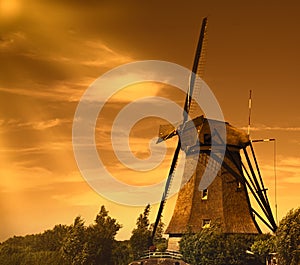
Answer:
(249, 116)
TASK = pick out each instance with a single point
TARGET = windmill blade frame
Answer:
(187, 105)
(198, 55)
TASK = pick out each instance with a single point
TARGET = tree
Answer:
(50, 240)
(69, 245)
(72, 248)
(121, 253)
(140, 239)
(263, 246)
(158, 240)
(288, 238)
(100, 239)
(35, 249)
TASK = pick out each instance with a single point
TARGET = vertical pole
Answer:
(249, 114)
(275, 176)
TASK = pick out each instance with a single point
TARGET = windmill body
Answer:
(225, 201)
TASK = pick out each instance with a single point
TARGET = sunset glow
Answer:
(9, 8)
(52, 51)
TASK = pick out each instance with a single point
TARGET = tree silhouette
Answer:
(288, 238)
(140, 239)
(72, 248)
(100, 239)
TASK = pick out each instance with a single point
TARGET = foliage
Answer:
(34, 249)
(121, 253)
(26, 257)
(66, 245)
(96, 244)
(51, 240)
(161, 244)
(72, 248)
(140, 239)
(264, 245)
(211, 247)
(288, 239)
(158, 240)
(100, 239)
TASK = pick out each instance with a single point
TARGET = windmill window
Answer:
(207, 138)
(239, 185)
(204, 194)
(206, 223)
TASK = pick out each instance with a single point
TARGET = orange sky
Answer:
(51, 51)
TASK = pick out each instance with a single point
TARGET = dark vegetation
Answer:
(96, 244)
(78, 244)
(212, 247)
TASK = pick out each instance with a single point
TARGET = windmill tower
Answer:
(226, 199)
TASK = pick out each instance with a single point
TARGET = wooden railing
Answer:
(166, 254)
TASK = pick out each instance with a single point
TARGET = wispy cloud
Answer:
(56, 74)
(21, 176)
(40, 148)
(273, 128)
(41, 125)
(5, 43)
(101, 55)
(59, 91)
(287, 170)
(12, 40)
(96, 54)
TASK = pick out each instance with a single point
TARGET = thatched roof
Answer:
(191, 132)
(214, 128)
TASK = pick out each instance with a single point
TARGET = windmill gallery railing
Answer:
(156, 254)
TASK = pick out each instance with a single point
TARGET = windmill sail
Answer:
(173, 132)
(198, 69)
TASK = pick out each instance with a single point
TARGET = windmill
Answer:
(226, 200)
